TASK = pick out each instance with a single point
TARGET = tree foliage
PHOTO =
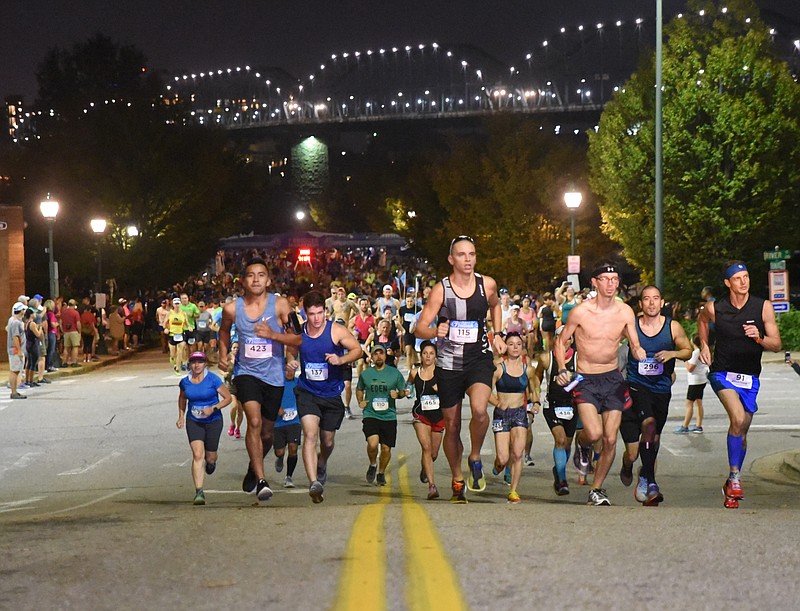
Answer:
(731, 150)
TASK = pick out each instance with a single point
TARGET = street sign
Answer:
(778, 265)
(777, 255)
(780, 306)
(779, 285)
(573, 264)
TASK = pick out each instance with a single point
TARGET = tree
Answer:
(731, 113)
(506, 191)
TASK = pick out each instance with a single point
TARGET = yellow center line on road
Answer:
(432, 582)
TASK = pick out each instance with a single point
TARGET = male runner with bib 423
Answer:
(459, 303)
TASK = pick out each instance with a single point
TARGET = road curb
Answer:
(780, 468)
(65, 372)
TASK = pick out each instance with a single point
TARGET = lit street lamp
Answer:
(300, 215)
(573, 200)
(49, 208)
(99, 227)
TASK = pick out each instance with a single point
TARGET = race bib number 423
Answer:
(463, 331)
(257, 348)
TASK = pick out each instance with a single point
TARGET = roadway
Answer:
(95, 512)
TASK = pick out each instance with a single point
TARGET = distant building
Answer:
(14, 117)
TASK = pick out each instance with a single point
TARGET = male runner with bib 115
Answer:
(459, 304)
(260, 318)
(745, 327)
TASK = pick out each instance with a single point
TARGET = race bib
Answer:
(178, 337)
(740, 380)
(289, 414)
(408, 317)
(316, 372)
(563, 413)
(429, 402)
(650, 367)
(463, 331)
(202, 324)
(257, 348)
(197, 412)
(380, 404)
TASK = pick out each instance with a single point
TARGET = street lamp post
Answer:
(573, 200)
(99, 227)
(49, 208)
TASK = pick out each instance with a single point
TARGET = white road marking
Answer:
(22, 462)
(80, 471)
(121, 379)
(177, 464)
(775, 427)
(18, 505)
(677, 451)
(70, 381)
(82, 505)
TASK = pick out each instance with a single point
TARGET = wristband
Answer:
(539, 403)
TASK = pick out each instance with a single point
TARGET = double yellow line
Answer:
(431, 581)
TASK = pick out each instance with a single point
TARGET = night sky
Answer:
(188, 35)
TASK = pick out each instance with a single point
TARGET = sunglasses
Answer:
(460, 238)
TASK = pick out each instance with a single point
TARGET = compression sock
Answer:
(735, 451)
(560, 459)
(291, 463)
(744, 452)
(647, 452)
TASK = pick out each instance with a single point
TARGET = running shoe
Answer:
(433, 492)
(231, 430)
(263, 491)
(34, 384)
(496, 468)
(371, 474)
(249, 483)
(459, 492)
(199, 498)
(507, 476)
(211, 467)
(279, 464)
(348, 413)
(731, 503)
(695, 429)
(44, 381)
(681, 430)
(529, 461)
(422, 477)
(322, 472)
(582, 459)
(177, 371)
(17, 395)
(563, 488)
(733, 489)
(288, 483)
(24, 385)
(598, 497)
(654, 496)
(640, 493)
(513, 497)
(626, 473)
(237, 434)
(380, 479)
(315, 491)
(476, 480)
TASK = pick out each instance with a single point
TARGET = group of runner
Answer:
(576, 382)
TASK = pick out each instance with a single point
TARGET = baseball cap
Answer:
(378, 347)
(197, 356)
(122, 300)
(351, 295)
(22, 298)
(176, 300)
(387, 286)
(515, 307)
(72, 302)
(38, 296)
(18, 307)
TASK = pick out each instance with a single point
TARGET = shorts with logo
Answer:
(453, 384)
(386, 430)
(329, 410)
(646, 404)
(284, 435)
(722, 380)
(562, 415)
(606, 391)
(250, 388)
(506, 419)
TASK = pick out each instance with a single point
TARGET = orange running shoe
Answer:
(459, 492)
(733, 489)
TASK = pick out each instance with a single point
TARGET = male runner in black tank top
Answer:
(745, 327)
(465, 361)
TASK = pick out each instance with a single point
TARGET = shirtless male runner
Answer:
(601, 395)
(459, 303)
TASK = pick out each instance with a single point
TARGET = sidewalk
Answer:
(105, 361)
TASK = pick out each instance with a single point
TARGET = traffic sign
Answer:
(777, 255)
(778, 265)
(573, 264)
(780, 306)
(778, 285)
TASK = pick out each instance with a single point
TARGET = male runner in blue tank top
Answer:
(260, 318)
(650, 384)
(465, 365)
(745, 327)
(323, 367)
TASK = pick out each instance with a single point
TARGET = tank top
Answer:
(556, 395)
(317, 376)
(516, 384)
(649, 373)
(565, 309)
(259, 357)
(735, 352)
(528, 318)
(426, 399)
(362, 326)
(515, 327)
(467, 342)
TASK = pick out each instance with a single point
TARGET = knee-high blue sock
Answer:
(560, 458)
(743, 453)
(735, 451)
